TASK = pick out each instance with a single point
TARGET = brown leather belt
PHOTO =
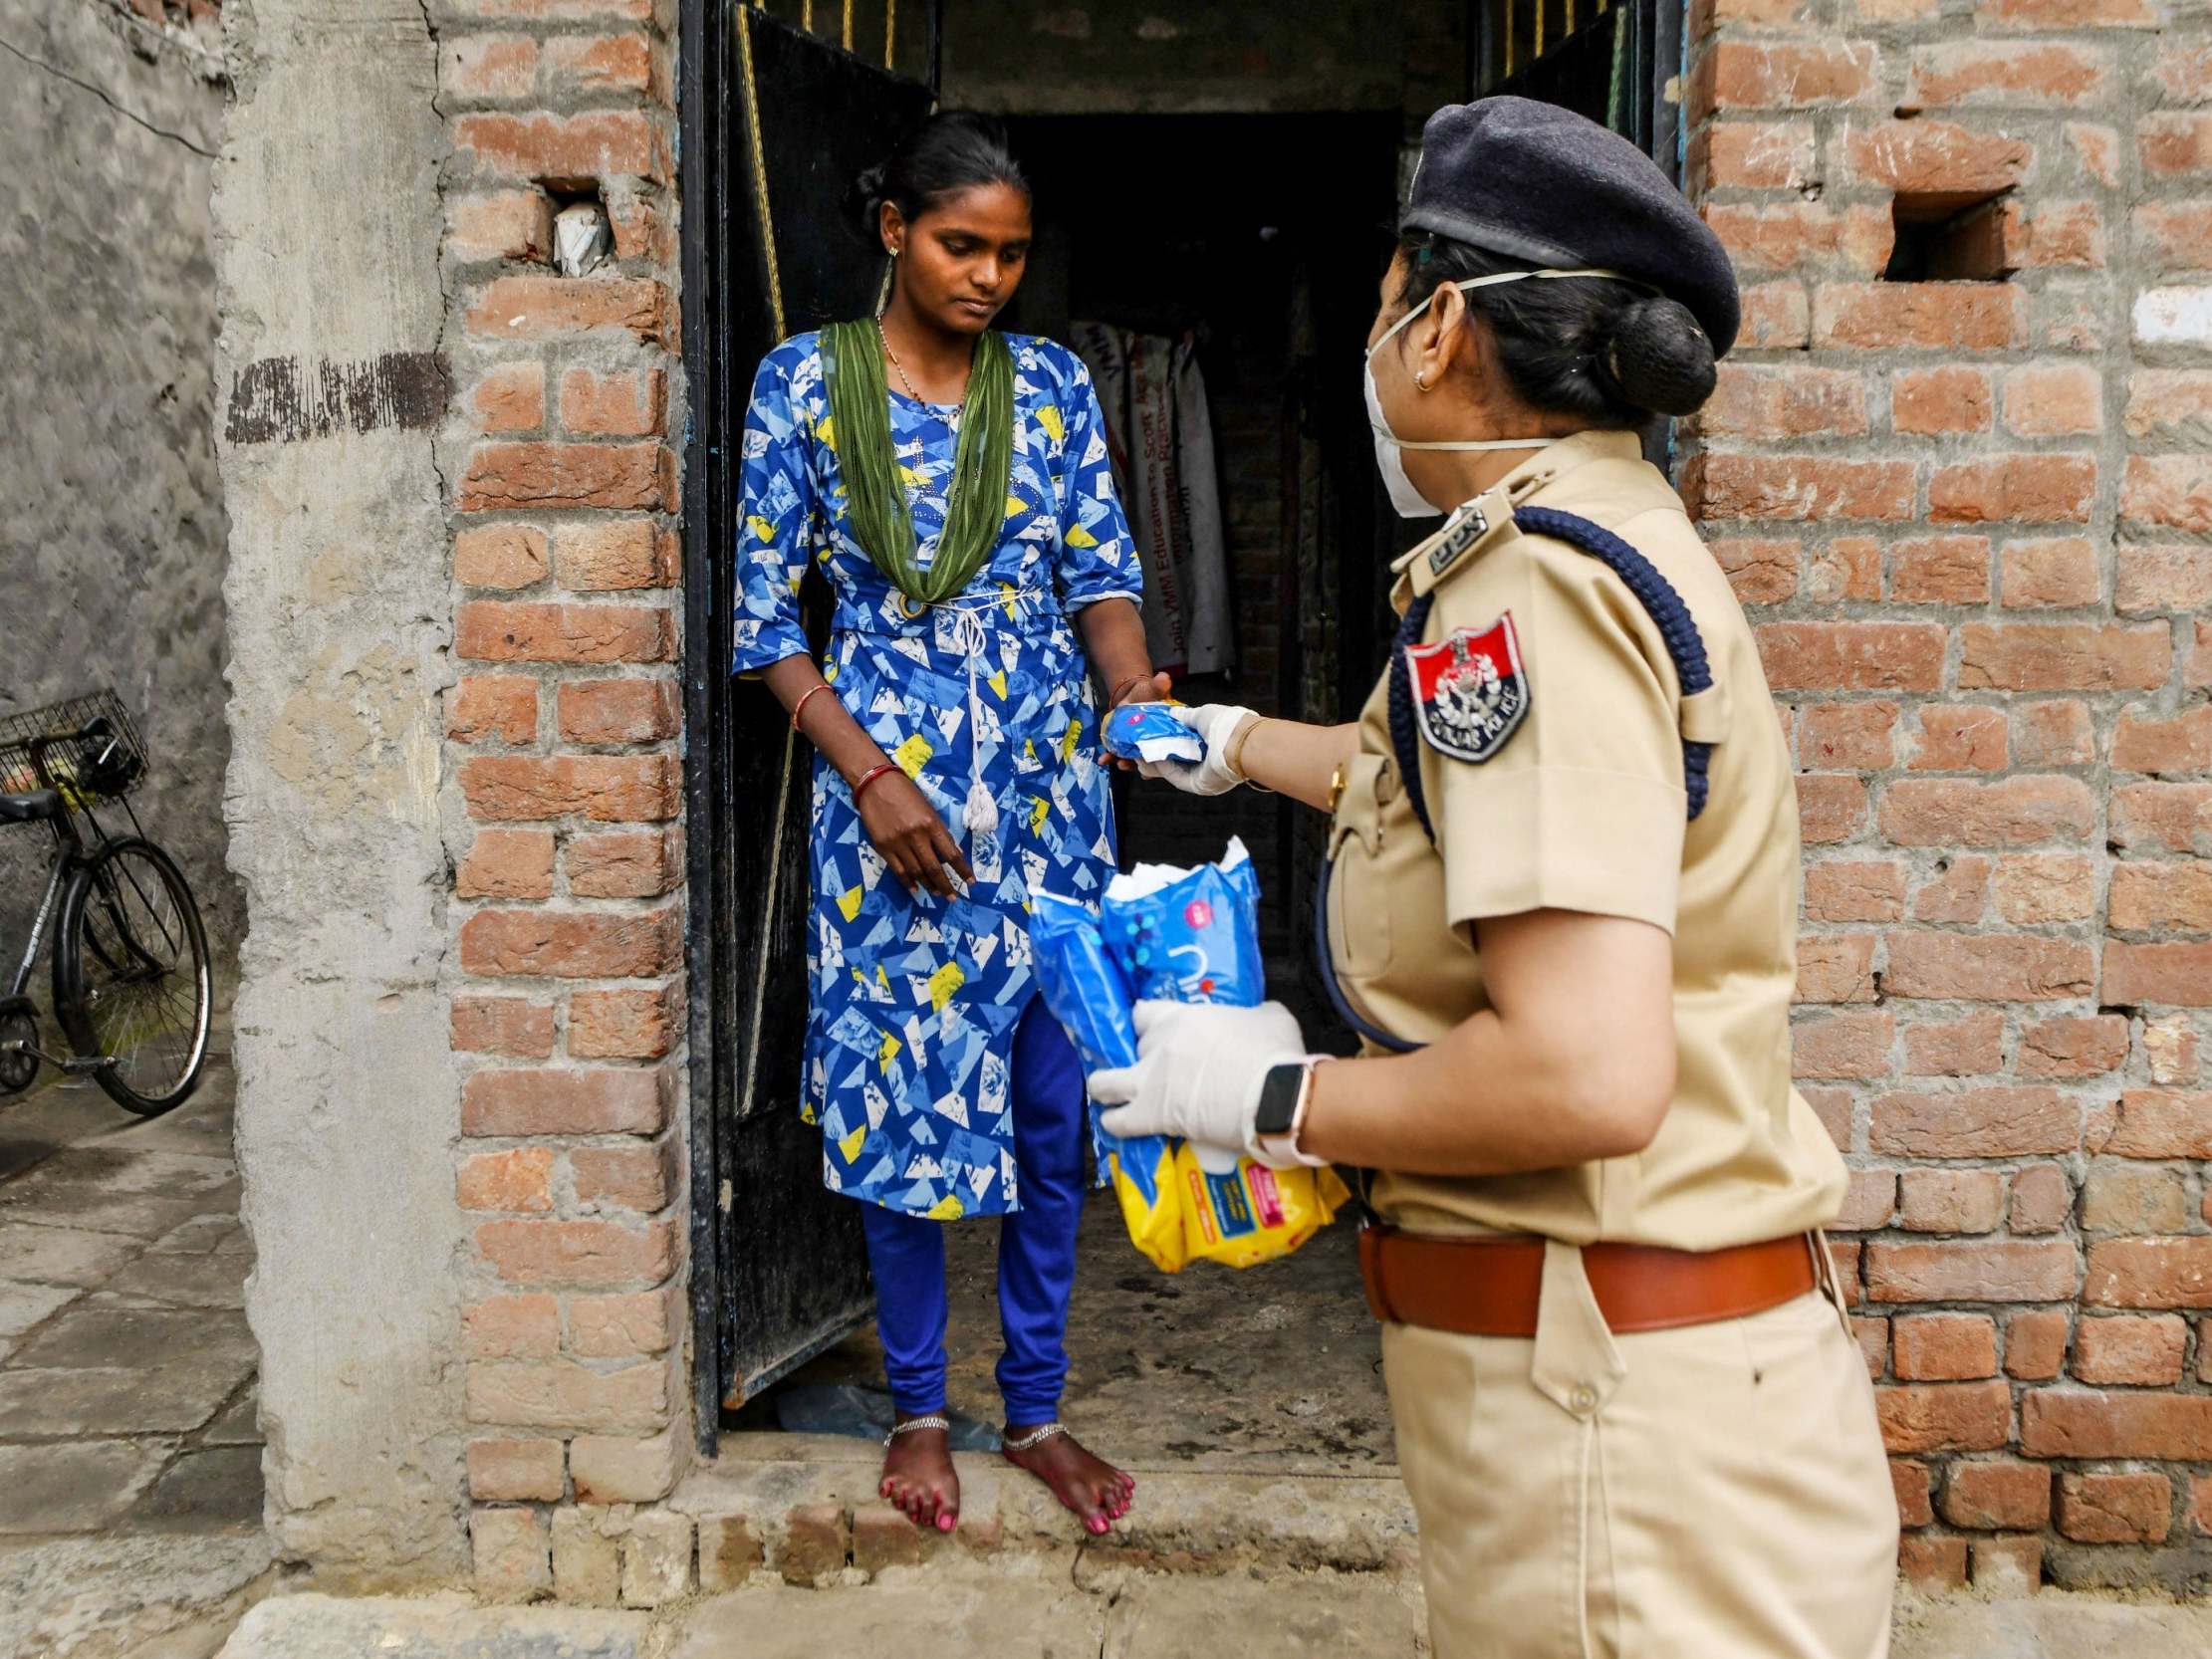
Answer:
(1491, 1287)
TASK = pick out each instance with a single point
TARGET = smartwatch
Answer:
(1285, 1092)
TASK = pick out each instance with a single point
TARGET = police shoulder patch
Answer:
(1469, 693)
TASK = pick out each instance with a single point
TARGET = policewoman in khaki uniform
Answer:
(1560, 911)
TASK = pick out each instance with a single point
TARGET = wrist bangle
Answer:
(1232, 756)
(800, 707)
(871, 775)
(1297, 1118)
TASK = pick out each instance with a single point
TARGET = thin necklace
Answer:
(911, 390)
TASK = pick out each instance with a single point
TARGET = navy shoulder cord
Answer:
(1683, 642)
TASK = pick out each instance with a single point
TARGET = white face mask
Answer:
(1388, 447)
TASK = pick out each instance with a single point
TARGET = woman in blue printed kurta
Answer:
(970, 727)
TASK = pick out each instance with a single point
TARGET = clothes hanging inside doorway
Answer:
(1160, 432)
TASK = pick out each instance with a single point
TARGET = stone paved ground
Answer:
(129, 1454)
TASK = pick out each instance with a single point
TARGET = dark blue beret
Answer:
(1537, 182)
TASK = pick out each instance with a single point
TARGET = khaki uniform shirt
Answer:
(1581, 807)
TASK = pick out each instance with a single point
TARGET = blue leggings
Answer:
(1037, 1247)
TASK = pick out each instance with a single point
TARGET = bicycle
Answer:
(131, 987)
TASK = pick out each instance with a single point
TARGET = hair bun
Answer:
(863, 201)
(1659, 357)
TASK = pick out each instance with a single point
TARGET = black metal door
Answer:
(782, 121)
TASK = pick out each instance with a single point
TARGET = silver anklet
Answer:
(1035, 1438)
(913, 1423)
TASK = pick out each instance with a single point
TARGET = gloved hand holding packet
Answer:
(1187, 935)
(1149, 732)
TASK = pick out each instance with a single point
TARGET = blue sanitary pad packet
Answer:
(1149, 731)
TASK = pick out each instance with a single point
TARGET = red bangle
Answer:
(800, 707)
(871, 775)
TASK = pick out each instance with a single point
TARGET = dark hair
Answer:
(1605, 349)
(953, 150)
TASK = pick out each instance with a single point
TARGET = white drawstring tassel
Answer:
(981, 814)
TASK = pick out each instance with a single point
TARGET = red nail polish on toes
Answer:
(944, 1523)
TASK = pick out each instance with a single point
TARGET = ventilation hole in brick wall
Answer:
(1949, 236)
(582, 236)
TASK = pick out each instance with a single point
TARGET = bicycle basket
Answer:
(87, 748)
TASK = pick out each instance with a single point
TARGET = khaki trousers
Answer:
(1708, 1493)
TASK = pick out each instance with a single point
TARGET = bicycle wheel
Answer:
(131, 975)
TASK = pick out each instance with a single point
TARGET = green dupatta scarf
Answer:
(975, 506)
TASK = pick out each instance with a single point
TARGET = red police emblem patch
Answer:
(1468, 690)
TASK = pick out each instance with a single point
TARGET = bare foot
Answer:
(918, 1477)
(1096, 1490)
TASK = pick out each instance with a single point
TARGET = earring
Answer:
(1421, 382)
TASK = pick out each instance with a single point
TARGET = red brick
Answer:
(1935, 159)
(510, 397)
(1958, 316)
(2155, 1123)
(565, 944)
(626, 406)
(1761, 572)
(616, 554)
(642, 1023)
(2078, 1423)
(614, 789)
(512, 1025)
(1950, 400)
(1971, 1270)
(2123, 1197)
(501, 225)
(2176, 974)
(2174, 144)
(1975, 1123)
(1930, 1563)
(2147, 743)
(1989, 967)
(1959, 892)
(2131, 1349)
(1853, 1044)
(2006, 1566)
(2168, 492)
(562, 1394)
(565, 148)
(1852, 656)
(1858, 737)
(538, 307)
(2041, 1199)
(2029, 489)
(520, 1179)
(1836, 890)
(2008, 74)
(2185, 72)
(2200, 1501)
(1998, 1495)
(2162, 818)
(487, 708)
(2063, 656)
(1955, 1048)
(2057, 732)
(618, 711)
(2066, 14)
(1912, 1484)
(1961, 738)
(1943, 1347)
(563, 11)
(1793, 236)
(1720, 484)
(1945, 1416)
(2171, 1051)
(1848, 568)
(1776, 317)
(1767, 155)
(506, 863)
(1768, 403)
(2096, 149)
(1844, 1253)
(2055, 400)
(512, 1327)
(1832, 1106)
(627, 1469)
(2174, 403)
(1783, 74)
(2164, 577)
(2162, 895)
(2046, 887)
(1831, 807)
(488, 69)
(2114, 1509)
(2034, 1344)
(579, 65)
(503, 555)
(2173, 235)
(2073, 1045)
(628, 863)
(2059, 570)
(2150, 1272)
(2011, 812)
(516, 1471)
(582, 1253)
(556, 1100)
(1835, 968)
(1940, 570)
(1951, 1201)
(511, 477)
(620, 1328)
(640, 1178)
(2051, 234)
(1869, 1200)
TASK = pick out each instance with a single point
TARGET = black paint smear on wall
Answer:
(282, 401)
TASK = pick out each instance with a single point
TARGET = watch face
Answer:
(1279, 1099)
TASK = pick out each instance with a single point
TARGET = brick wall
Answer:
(1969, 521)
(563, 733)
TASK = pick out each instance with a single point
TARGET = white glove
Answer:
(1197, 1075)
(1216, 723)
